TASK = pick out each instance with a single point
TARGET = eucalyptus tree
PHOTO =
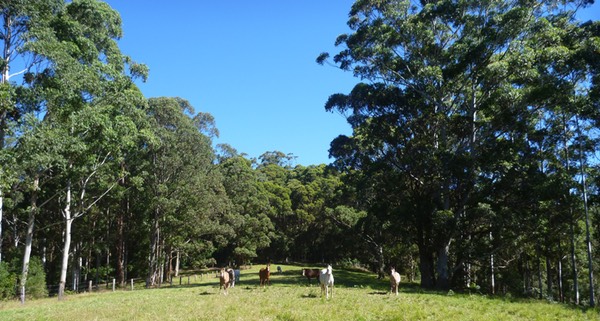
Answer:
(185, 196)
(443, 109)
(274, 176)
(248, 216)
(82, 85)
(18, 19)
(563, 89)
(316, 191)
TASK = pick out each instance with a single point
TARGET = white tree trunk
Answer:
(492, 272)
(65, 259)
(574, 263)
(29, 238)
(587, 221)
(154, 251)
(177, 263)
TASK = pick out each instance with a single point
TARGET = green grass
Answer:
(357, 296)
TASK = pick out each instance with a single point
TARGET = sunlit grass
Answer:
(357, 296)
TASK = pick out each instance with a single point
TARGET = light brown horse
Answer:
(224, 280)
(264, 275)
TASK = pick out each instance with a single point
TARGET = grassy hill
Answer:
(357, 296)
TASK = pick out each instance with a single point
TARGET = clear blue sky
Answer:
(251, 64)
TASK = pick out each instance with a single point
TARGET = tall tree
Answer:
(19, 20)
(445, 95)
(252, 227)
(85, 71)
(185, 194)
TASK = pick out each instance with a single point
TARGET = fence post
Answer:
(113, 285)
(131, 284)
(90, 286)
(188, 280)
(180, 279)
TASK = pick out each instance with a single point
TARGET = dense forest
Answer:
(472, 163)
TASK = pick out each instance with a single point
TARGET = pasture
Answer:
(358, 296)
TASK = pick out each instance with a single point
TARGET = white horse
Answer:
(394, 281)
(326, 280)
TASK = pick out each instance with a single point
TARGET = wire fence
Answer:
(130, 285)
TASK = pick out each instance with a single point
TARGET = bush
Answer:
(36, 280)
(347, 263)
(8, 281)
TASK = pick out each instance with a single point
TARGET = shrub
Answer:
(8, 281)
(347, 263)
(36, 280)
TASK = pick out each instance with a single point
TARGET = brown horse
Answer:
(224, 280)
(311, 273)
(264, 275)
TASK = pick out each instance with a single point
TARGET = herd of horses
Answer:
(228, 277)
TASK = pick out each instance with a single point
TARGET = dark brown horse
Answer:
(311, 273)
(264, 275)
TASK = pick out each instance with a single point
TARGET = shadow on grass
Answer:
(378, 293)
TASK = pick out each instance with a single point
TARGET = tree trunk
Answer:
(561, 294)
(572, 225)
(67, 245)
(492, 271)
(29, 237)
(153, 257)
(426, 269)
(549, 279)
(588, 240)
(539, 266)
(574, 262)
(526, 277)
(77, 260)
(412, 268)
(177, 263)
(4, 78)
(120, 246)
(443, 276)
(169, 263)
(120, 249)
(380, 262)
(492, 275)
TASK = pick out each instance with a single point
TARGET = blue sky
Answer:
(251, 64)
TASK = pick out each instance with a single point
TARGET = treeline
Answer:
(475, 138)
(472, 164)
(99, 182)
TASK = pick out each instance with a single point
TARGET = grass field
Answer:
(357, 296)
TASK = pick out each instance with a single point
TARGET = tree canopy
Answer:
(472, 162)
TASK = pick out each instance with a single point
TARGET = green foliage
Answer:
(36, 280)
(464, 104)
(8, 282)
(470, 132)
